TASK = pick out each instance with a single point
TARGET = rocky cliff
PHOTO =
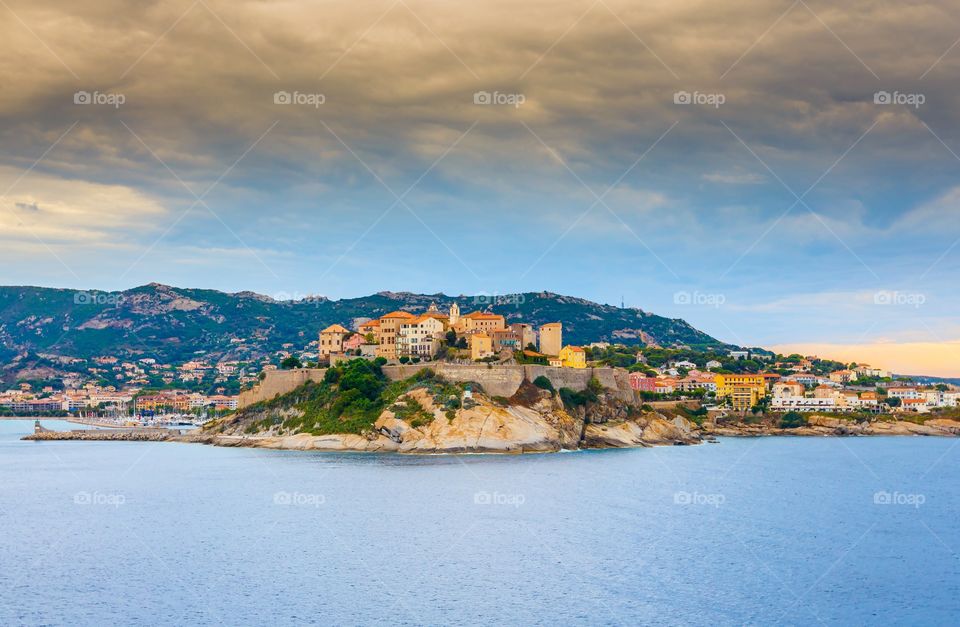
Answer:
(531, 421)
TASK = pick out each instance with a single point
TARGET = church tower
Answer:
(454, 313)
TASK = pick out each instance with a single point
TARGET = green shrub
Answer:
(573, 399)
(793, 420)
(544, 384)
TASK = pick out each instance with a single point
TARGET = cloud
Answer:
(699, 185)
(70, 212)
(731, 178)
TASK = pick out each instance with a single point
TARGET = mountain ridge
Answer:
(174, 324)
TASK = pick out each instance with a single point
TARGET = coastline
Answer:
(618, 435)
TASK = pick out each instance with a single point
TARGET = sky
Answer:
(781, 174)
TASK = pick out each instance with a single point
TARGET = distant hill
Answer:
(929, 380)
(174, 324)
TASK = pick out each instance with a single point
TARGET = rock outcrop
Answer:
(818, 425)
(532, 421)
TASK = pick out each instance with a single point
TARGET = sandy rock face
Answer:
(485, 428)
(649, 430)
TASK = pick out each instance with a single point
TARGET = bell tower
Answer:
(454, 313)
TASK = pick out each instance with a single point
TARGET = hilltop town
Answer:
(118, 389)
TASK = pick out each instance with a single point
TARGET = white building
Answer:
(803, 403)
(903, 393)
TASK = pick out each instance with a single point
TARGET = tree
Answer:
(451, 337)
(462, 343)
(892, 402)
(531, 347)
(290, 363)
(404, 359)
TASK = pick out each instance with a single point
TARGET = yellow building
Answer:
(481, 346)
(331, 340)
(389, 328)
(573, 357)
(743, 390)
(551, 338)
(479, 322)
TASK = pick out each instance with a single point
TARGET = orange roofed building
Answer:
(331, 340)
(479, 322)
(389, 329)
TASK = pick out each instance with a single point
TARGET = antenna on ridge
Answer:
(621, 302)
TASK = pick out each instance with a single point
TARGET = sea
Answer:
(747, 531)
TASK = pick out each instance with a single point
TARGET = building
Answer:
(664, 386)
(573, 357)
(739, 354)
(865, 370)
(696, 380)
(420, 337)
(331, 340)
(903, 393)
(454, 314)
(802, 403)
(481, 346)
(370, 328)
(389, 329)
(525, 332)
(642, 383)
(743, 390)
(505, 339)
(784, 389)
(869, 399)
(353, 342)
(551, 338)
(825, 391)
(843, 376)
(918, 405)
(805, 378)
(479, 322)
(713, 364)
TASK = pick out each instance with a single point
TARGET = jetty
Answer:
(131, 434)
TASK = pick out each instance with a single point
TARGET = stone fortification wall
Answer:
(277, 382)
(496, 380)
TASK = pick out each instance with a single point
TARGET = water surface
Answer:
(748, 531)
